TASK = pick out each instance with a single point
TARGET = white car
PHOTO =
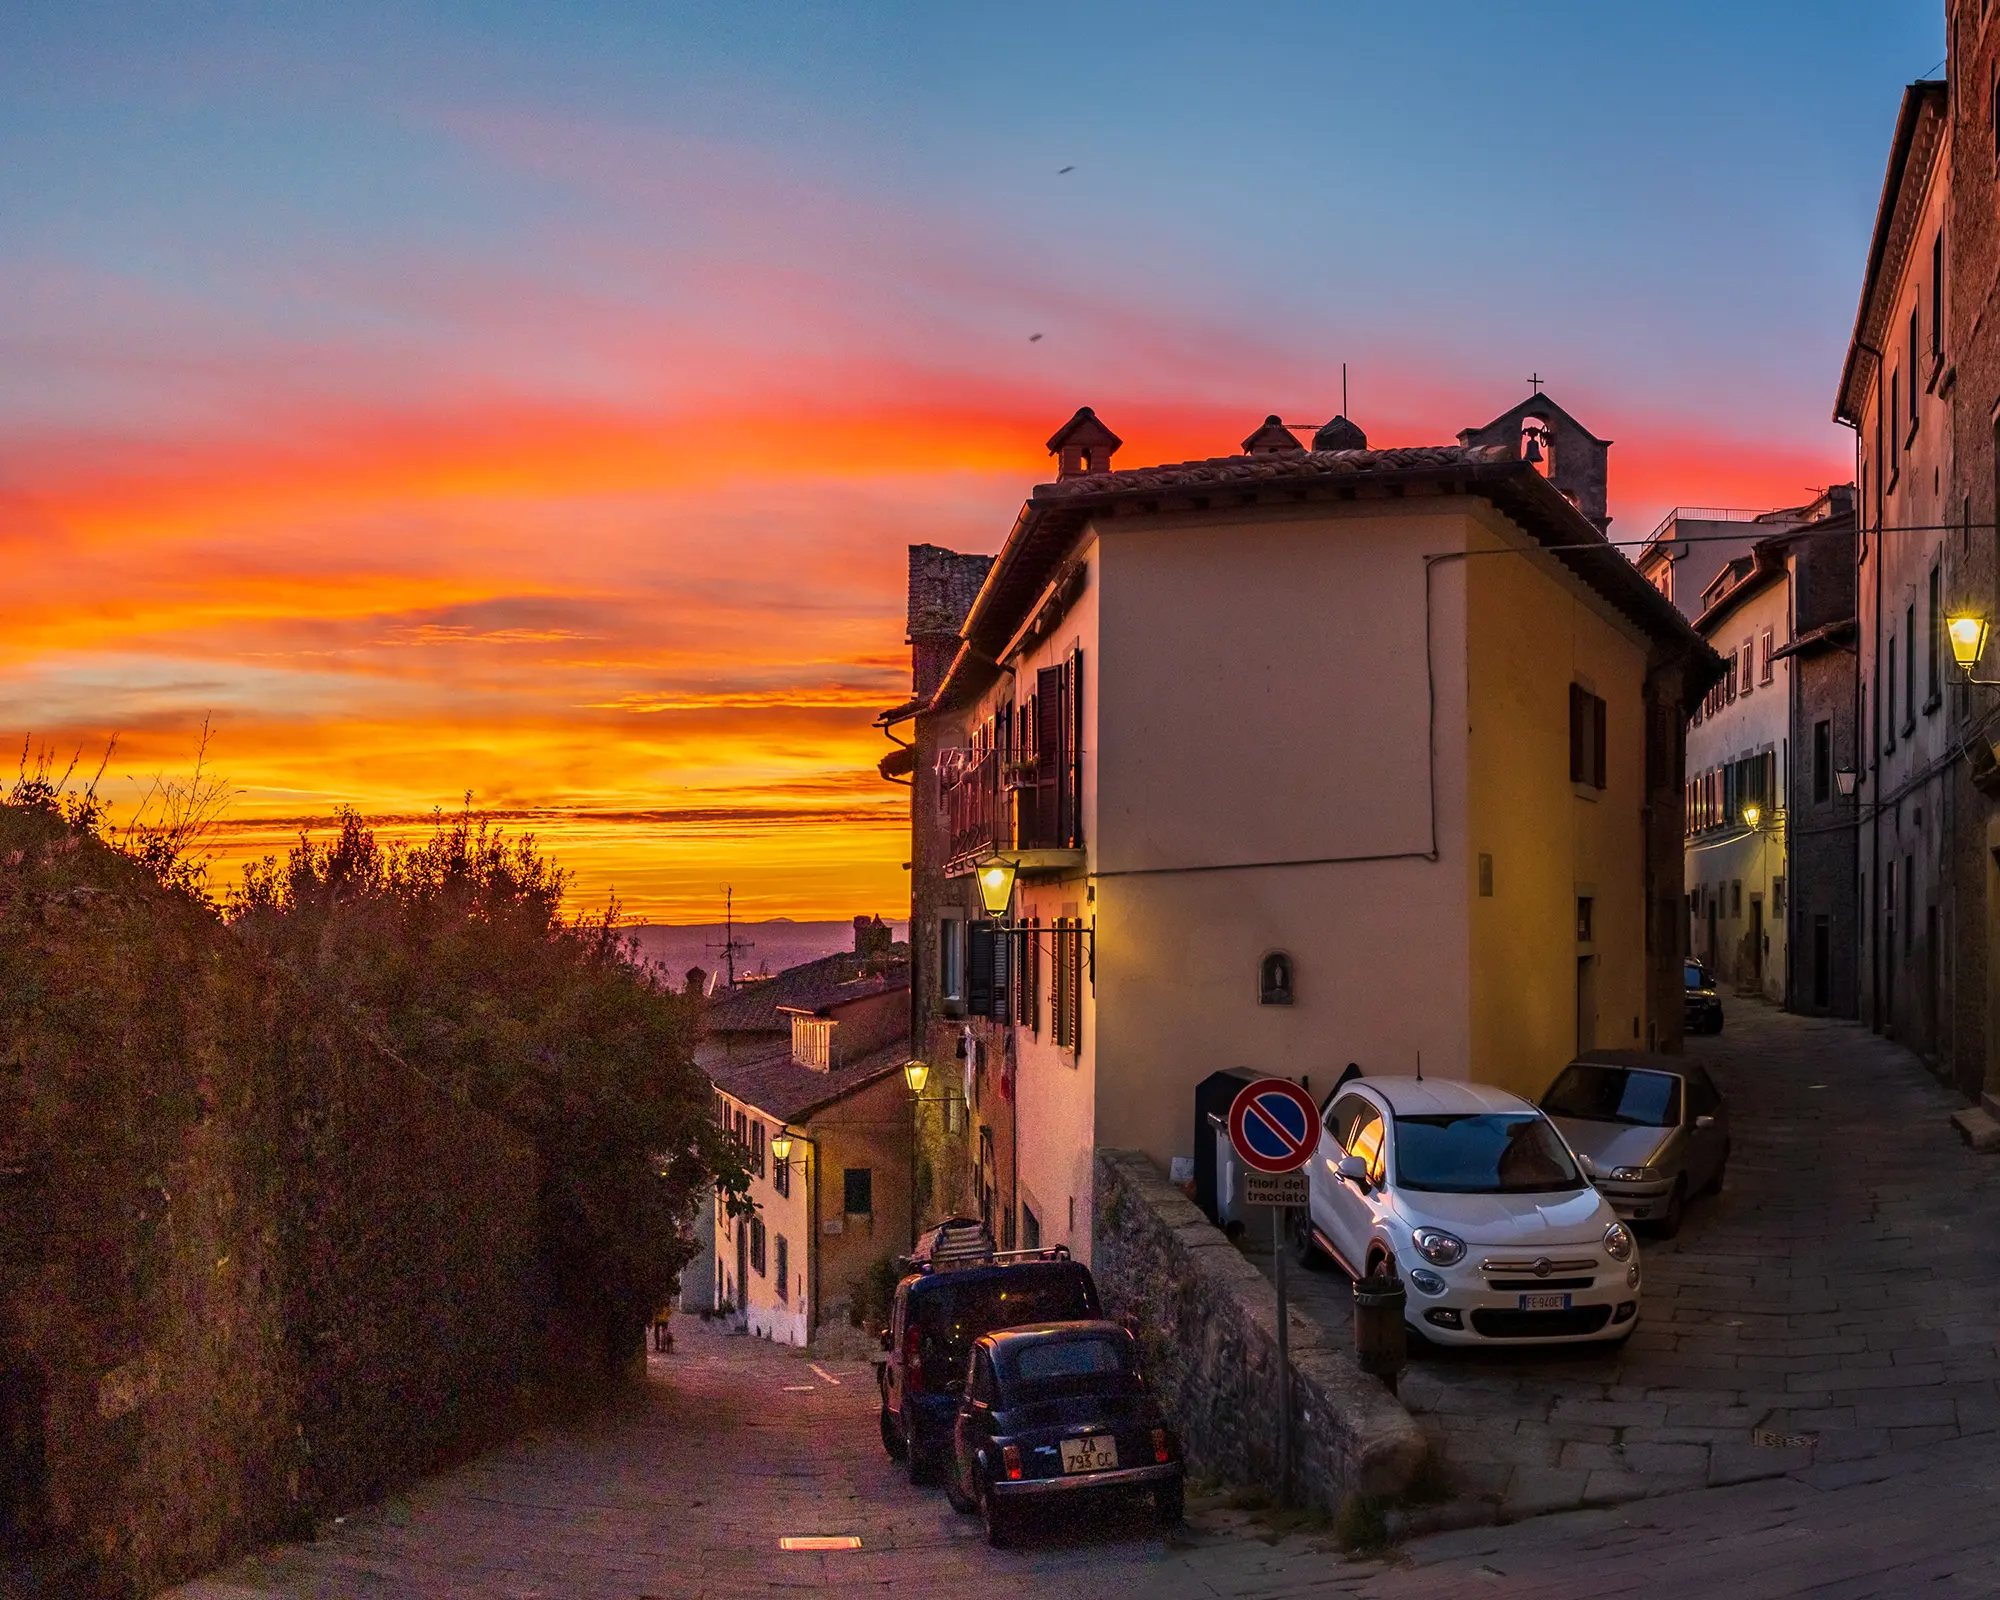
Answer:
(1474, 1198)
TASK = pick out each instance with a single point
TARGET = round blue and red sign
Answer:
(1274, 1125)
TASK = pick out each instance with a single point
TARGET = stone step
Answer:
(1977, 1127)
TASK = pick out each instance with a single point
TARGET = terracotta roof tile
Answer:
(779, 1087)
(832, 980)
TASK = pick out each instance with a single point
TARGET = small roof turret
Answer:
(1273, 439)
(1083, 445)
(1340, 434)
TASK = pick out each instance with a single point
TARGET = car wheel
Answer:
(998, 1517)
(1305, 1248)
(892, 1436)
(1670, 1224)
(961, 1502)
(1170, 1504)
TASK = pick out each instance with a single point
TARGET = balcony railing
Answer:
(995, 800)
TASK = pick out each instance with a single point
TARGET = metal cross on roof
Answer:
(1535, 382)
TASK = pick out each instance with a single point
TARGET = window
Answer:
(1937, 297)
(1367, 1141)
(784, 1273)
(1736, 897)
(1066, 994)
(1586, 737)
(1822, 762)
(1029, 967)
(1778, 896)
(1749, 662)
(1913, 369)
(1729, 682)
(1585, 910)
(1031, 1228)
(951, 963)
(1767, 668)
(1931, 641)
(858, 1191)
(1909, 668)
(1889, 701)
(757, 1148)
(757, 1246)
(1895, 411)
(1486, 876)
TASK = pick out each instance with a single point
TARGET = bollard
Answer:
(1380, 1344)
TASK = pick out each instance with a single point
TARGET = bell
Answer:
(1533, 454)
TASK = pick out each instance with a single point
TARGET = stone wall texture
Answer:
(1208, 1326)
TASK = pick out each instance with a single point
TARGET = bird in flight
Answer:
(1033, 337)
(1070, 168)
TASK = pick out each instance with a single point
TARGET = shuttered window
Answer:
(1586, 737)
(979, 969)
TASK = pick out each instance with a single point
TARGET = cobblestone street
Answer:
(1842, 1291)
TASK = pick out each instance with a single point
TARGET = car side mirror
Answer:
(1352, 1168)
(1588, 1167)
(1704, 1121)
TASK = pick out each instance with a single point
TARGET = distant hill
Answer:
(775, 945)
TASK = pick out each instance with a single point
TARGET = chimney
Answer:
(1083, 446)
(1273, 439)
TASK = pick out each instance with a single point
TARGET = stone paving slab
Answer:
(1840, 1287)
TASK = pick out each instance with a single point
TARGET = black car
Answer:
(939, 1310)
(1704, 1005)
(1050, 1413)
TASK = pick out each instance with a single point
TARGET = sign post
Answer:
(1274, 1127)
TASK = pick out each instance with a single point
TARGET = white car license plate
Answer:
(1097, 1453)
(1545, 1302)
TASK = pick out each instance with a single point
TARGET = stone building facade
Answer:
(1925, 551)
(1821, 801)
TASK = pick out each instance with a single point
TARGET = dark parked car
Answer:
(1051, 1413)
(1703, 1013)
(938, 1312)
(1654, 1129)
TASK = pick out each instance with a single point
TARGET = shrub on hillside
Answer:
(453, 953)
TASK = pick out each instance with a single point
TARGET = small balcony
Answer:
(998, 802)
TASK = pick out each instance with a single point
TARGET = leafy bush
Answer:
(453, 954)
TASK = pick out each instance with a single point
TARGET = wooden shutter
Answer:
(1048, 756)
(979, 969)
(1071, 823)
(1597, 763)
(1003, 976)
(1576, 733)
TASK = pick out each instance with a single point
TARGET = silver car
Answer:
(1652, 1131)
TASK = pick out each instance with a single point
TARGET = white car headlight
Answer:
(1437, 1246)
(1618, 1242)
(1631, 1174)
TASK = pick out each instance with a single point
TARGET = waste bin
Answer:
(1380, 1344)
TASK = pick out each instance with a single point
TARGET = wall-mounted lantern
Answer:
(996, 887)
(1274, 979)
(1843, 780)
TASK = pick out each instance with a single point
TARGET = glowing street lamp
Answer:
(1968, 639)
(781, 1146)
(916, 1074)
(996, 887)
(1751, 813)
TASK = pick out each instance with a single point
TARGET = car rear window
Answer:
(1633, 1096)
(1482, 1153)
(1695, 976)
(1046, 1368)
(952, 1315)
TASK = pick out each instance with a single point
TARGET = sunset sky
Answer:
(537, 400)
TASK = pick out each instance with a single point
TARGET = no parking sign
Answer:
(1274, 1127)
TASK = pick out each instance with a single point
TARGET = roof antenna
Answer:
(1343, 388)
(1420, 1066)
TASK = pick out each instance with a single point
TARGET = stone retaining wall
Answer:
(1208, 1323)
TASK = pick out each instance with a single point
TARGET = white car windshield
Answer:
(1482, 1153)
